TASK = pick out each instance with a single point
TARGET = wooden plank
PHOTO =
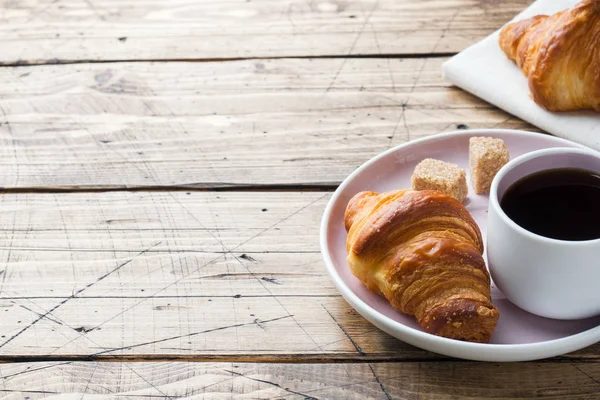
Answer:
(153, 222)
(40, 31)
(381, 381)
(264, 328)
(198, 273)
(259, 122)
(204, 276)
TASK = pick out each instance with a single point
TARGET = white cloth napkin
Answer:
(484, 70)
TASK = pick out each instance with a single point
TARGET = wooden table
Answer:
(165, 166)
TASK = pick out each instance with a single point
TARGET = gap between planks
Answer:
(343, 358)
(194, 187)
(34, 63)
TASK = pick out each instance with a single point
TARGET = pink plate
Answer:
(519, 336)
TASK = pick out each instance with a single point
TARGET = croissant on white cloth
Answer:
(560, 56)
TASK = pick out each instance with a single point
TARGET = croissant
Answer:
(422, 251)
(560, 56)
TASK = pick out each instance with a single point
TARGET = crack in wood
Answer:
(74, 295)
(29, 369)
(28, 391)
(356, 346)
(586, 374)
(345, 59)
(255, 322)
(306, 397)
(213, 260)
(39, 314)
(383, 389)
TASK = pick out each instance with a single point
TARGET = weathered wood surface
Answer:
(203, 274)
(41, 31)
(381, 381)
(273, 122)
(220, 276)
(200, 275)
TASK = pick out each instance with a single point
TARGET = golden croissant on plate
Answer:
(422, 251)
(560, 56)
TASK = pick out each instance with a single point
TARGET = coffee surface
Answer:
(560, 204)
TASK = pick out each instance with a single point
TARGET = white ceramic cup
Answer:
(548, 277)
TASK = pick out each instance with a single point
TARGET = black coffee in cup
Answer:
(559, 203)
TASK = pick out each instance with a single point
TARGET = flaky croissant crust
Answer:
(422, 251)
(560, 56)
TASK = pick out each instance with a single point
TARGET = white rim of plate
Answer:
(437, 344)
